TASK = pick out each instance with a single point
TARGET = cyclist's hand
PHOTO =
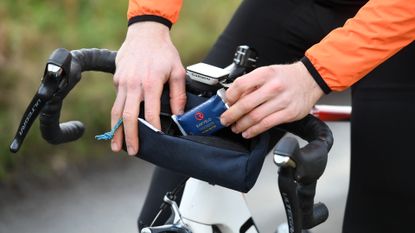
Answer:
(270, 96)
(145, 62)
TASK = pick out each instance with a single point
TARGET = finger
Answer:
(268, 122)
(241, 86)
(177, 84)
(259, 113)
(130, 119)
(116, 114)
(246, 104)
(152, 96)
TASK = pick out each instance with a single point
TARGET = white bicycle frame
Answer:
(204, 205)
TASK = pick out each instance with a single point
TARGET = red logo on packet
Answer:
(199, 116)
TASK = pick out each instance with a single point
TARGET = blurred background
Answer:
(31, 29)
(82, 186)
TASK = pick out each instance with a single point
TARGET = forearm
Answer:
(379, 30)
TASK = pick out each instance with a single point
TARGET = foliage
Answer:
(31, 29)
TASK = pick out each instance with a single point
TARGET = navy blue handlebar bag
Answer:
(225, 159)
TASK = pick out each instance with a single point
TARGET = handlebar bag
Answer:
(225, 159)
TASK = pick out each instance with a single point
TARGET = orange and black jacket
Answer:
(379, 30)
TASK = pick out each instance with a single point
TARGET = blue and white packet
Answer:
(203, 119)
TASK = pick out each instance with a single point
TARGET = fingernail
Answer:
(131, 151)
(233, 128)
(245, 135)
(223, 122)
(181, 111)
(114, 146)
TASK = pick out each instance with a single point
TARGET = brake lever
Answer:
(54, 79)
(297, 185)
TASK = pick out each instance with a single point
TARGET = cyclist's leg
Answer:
(382, 190)
(280, 30)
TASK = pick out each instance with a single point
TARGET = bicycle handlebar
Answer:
(62, 73)
(300, 168)
(82, 60)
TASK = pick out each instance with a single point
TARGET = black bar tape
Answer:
(310, 129)
(95, 60)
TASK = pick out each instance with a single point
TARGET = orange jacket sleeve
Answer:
(163, 11)
(379, 30)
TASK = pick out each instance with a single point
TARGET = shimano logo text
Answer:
(29, 115)
(290, 217)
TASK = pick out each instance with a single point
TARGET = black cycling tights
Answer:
(381, 186)
(382, 190)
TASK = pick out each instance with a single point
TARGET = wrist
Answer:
(316, 92)
(148, 28)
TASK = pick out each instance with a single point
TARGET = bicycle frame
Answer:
(204, 205)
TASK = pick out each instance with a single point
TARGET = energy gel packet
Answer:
(203, 119)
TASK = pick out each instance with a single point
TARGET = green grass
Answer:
(31, 29)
